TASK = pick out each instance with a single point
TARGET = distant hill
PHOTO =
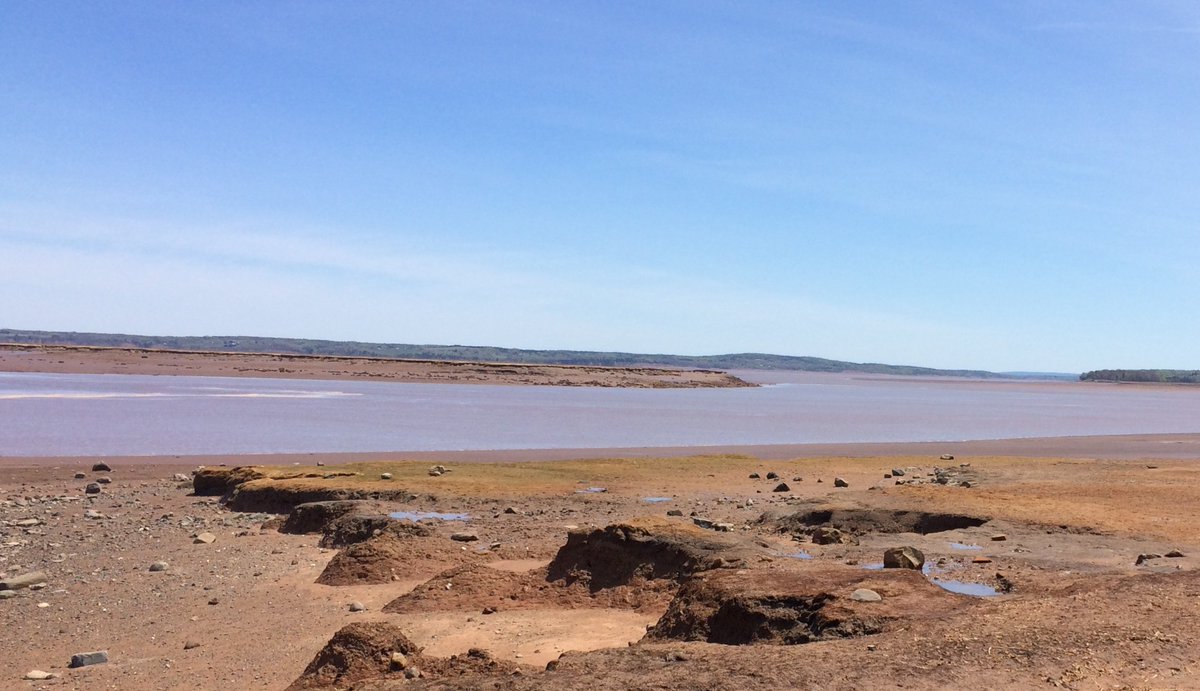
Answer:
(1153, 376)
(259, 344)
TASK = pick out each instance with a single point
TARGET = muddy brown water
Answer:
(67, 414)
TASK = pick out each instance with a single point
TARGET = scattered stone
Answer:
(412, 673)
(772, 475)
(101, 468)
(24, 580)
(1143, 558)
(782, 487)
(797, 479)
(204, 539)
(511, 511)
(357, 607)
(93, 514)
(27, 522)
(839, 482)
(675, 512)
(80, 476)
(104, 480)
(903, 558)
(705, 523)
(965, 483)
(898, 472)
(7, 594)
(999, 537)
(1173, 554)
(866, 595)
(214, 601)
(946, 457)
(180, 477)
(189, 645)
(399, 660)
(723, 527)
(754, 476)
(438, 470)
(92, 488)
(981, 560)
(159, 566)
(39, 675)
(385, 476)
(98, 657)
(464, 537)
(489, 610)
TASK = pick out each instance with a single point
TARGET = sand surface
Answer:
(90, 360)
(246, 612)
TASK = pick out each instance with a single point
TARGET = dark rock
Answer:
(1143, 558)
(101, 468)
(98, 657)
(772, 475)
(159, 566)
(839, 482)
(675, 512)
(903, 558)
(754, 476)
(464, 537)
(104, 480)
(316, 516)
(92, 488)
(898, 472)
(946, 457)
(782, 487)
(1173, 554)
(80, 476)
(189, 645)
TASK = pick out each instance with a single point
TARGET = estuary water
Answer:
(70, 414)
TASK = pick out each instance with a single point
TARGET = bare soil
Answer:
(604, 588)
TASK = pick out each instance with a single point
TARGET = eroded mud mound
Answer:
(861, 521)
(353, 529)
(281, 496)
(358, 651)
(783, 607)
(216, 482)
(376, 655)
(390, 556)
(317, 516)
(644, 550)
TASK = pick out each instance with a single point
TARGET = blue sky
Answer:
(1002, 186)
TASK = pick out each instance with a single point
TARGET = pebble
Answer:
(464, 537)
(385, 476)
(39, 675)
(839, 482)
(1000, 537)
(865, 595)
(7, 594)
(204, 539)
(357, 607)
(101, 468)
(188, 645)
(159, 566)
(80, 476)
(93, 514)
(92, 488)
(399, 660)
(104, 480)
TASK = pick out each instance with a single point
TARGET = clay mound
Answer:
(390, 555)
(215, 482)
(455, 672)
(358, 651)
(785, 607)
(317, 516)
(861, 521)
(281, 496)
(353, 529)
(644, 550)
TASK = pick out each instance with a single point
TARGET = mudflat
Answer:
(1056, 564)
(97, 360)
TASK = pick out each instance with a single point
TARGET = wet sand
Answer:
(1115, 447)
(93, 360)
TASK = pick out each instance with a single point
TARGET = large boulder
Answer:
(903, 558)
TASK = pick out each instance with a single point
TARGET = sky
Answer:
(1004, 186)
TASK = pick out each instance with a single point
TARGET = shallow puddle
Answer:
(933, 574)
(656, 500)
(960, 545)
(591, 490)
(415, 516)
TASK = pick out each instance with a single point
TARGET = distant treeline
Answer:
(259, 344)
(1155, 376)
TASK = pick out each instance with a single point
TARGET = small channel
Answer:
(415, 516)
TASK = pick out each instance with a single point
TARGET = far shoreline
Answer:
(1105, 447)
